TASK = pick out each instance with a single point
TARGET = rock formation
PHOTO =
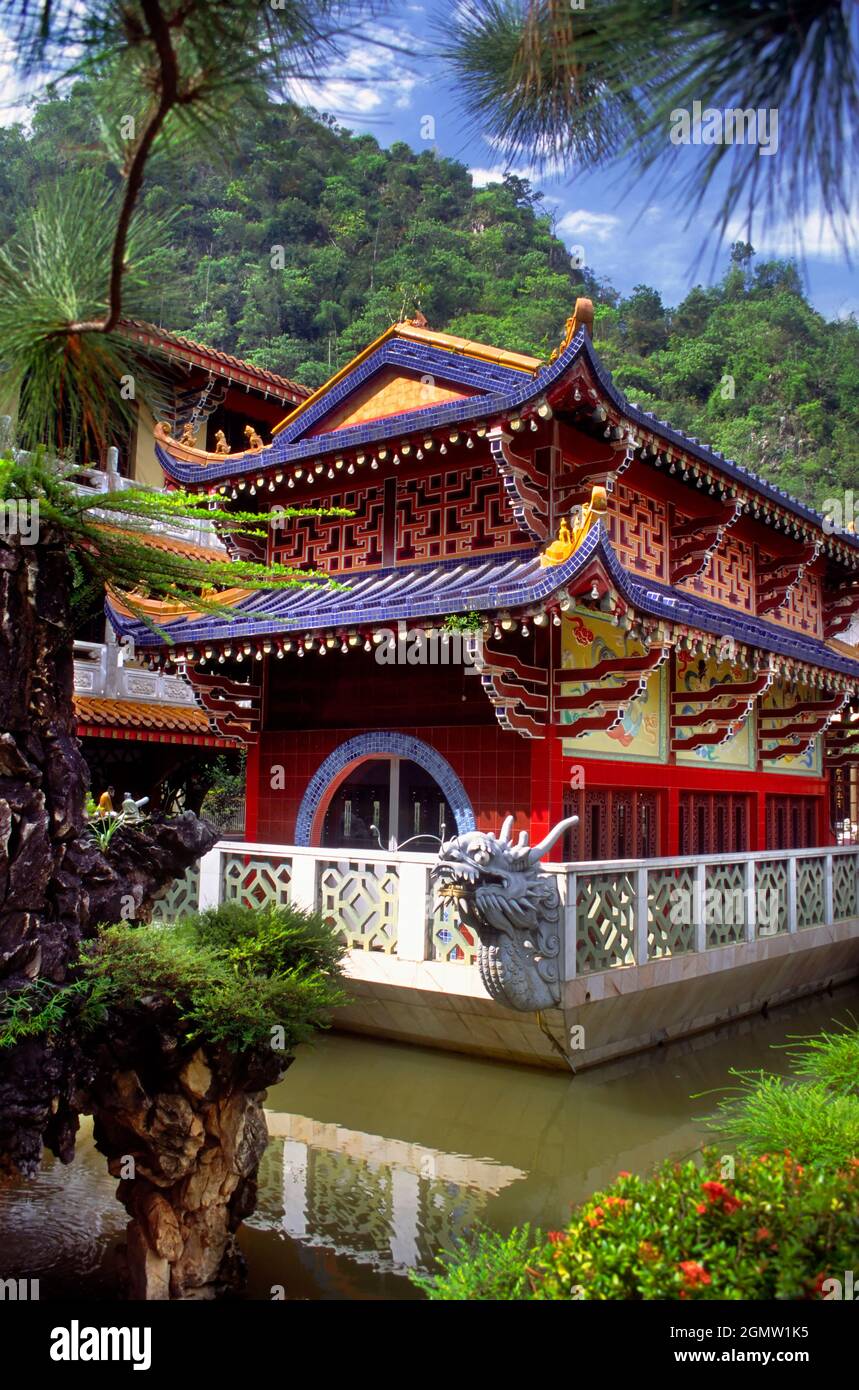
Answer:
(184, 1136)
(197, 1148)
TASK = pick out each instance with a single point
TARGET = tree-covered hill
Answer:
(301, 242)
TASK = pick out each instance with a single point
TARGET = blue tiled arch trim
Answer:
(381, 742)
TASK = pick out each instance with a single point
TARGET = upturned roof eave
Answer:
(509, 583)
(282, 452)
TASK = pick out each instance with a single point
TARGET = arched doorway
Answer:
(397, 784)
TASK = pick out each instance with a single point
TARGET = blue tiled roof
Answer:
(508, 581)
(501, 390)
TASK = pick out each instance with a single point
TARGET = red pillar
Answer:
(252, 778)
(547, 798)
(760, 831)
(672, 839)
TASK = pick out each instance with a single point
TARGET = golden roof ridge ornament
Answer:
(581, 317)
(569, 541)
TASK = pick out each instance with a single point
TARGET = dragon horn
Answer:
(523, 839)
(535, 854)
(504, 833)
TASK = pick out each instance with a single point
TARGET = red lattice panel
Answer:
(729, 576)
(638, 528)
(336, 544)
(454, 512)
(803, 612)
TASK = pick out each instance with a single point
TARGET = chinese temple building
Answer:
(543, 601)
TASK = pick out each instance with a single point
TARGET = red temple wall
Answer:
(493, 766)
(503, 774)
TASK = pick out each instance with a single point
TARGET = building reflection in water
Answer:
(382, 1202)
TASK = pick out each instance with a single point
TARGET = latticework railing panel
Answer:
(361, 899)
(670, 912)
(255, 882)
(724, 904)
(181, 898)
(771, 897)
(605, 916)
(451, 941)
(810, 892)
(843, 886)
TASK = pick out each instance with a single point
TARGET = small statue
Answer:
(254, 440)
(221, 445)
(189, 436)
(561, 549)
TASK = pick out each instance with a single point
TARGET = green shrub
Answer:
(269, 939)
(771, 1112)
(39, 1008)
(778, 1229)
(490, 1266)
(233, 975)
(832, 1059)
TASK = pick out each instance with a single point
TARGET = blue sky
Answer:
(632, 232)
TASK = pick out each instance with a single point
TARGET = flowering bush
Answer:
(777, 1229)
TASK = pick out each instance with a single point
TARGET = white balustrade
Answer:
(101, 671)
(629, 912)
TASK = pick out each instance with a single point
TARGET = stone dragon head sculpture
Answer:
(499, 891)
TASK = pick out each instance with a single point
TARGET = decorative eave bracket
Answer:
(526, 487)
(234, 708)
(518, 692)
(839, 606)
(714, 724)
(601, 706)
(794, 725)
(694, 541)
(776, 579)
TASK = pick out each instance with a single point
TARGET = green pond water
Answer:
(382, 1154)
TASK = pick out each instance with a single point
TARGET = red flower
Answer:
(617, 1201)
(701, 1208)
(717, 1192)
(762, 1233)
(624, 1174)
(597, 1218)
(693, 1273)
(556, 1237)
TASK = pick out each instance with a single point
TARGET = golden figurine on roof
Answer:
(189, 435)
(254, 439)
(221, 445)
(569, 541)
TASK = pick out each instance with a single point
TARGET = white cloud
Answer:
(14, 98)
(547, 166)
(481, 177)
(596, 226)
(373, 75)
(815, 234)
